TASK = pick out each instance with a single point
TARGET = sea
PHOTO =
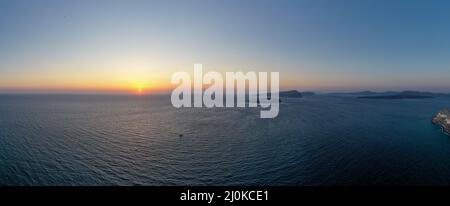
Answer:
(92, 140)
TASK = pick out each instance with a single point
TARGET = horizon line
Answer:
(134, 93)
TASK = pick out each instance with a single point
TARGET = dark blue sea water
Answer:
(134, 140)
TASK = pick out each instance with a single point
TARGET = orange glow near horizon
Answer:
(88, 88)
(118, 75)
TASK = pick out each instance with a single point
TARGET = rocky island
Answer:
(443, 119)
(291, 94)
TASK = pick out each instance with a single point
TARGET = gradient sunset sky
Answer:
(121, 46)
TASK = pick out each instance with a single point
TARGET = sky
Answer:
(318, 45)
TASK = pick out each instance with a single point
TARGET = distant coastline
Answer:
(392, 95)
(401, 95)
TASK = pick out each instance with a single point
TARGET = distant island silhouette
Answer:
(295, 94)
(392, 95)
(401, 95)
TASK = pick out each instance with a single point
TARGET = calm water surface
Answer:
(134, 140)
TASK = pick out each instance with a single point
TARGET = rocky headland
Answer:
(443, 119)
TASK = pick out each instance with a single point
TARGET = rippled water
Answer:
(134, 140)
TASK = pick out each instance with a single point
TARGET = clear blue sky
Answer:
(315, 45)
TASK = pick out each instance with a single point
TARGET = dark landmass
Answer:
(395, 97)
(282, 94)
(291, 94)
(296, 94)
(402, 95)
(287, 94)
(392, 95)
(443, 119)
(362, 93)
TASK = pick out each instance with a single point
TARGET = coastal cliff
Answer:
(443, 119)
